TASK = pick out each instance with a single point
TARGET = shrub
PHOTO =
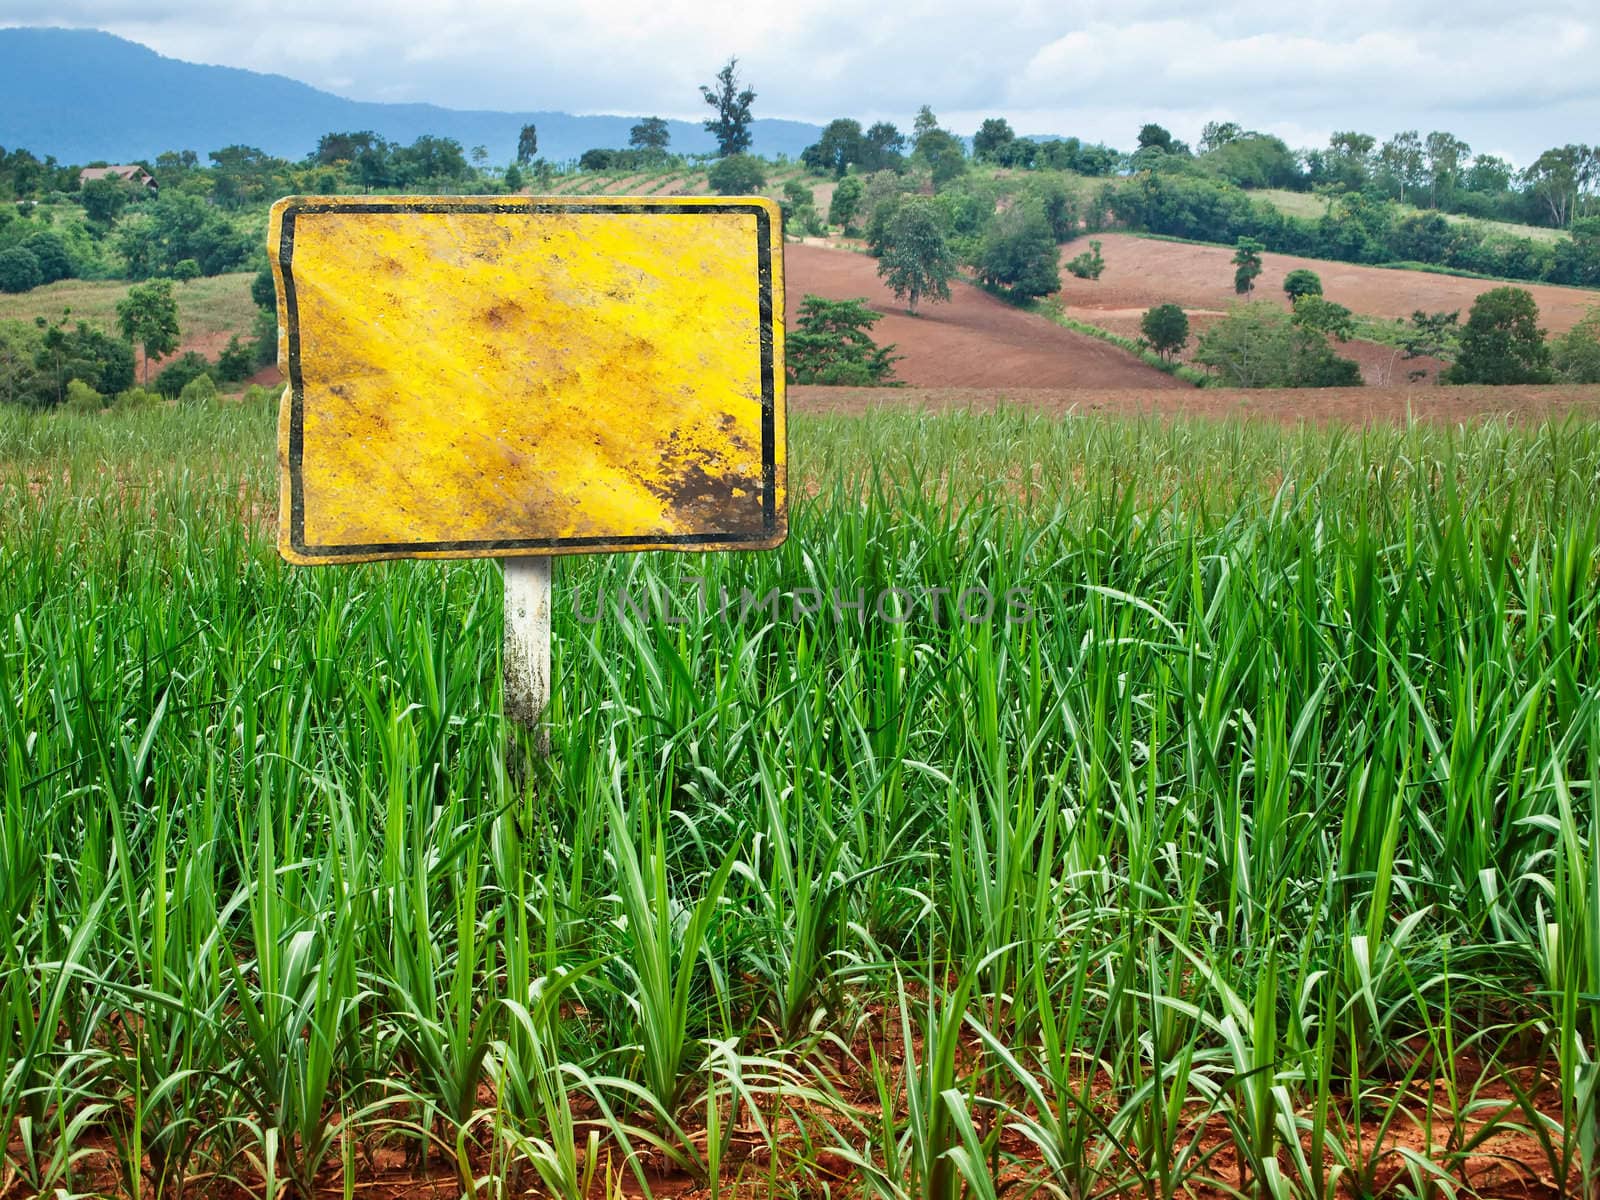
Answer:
(185, 269)
(1166, 329)
(1575, 355)
(180, 373)
(133, 400)
(19, 270)
(1019, 253)
(264, 290)
(1089, 264)
(1247, 265)
(199, 390)
(1301, 282)
(261, 394)
(81, 398)
(831, 343)
(737, 175)
(845, 206)
(1502, 342)
(54, 261)
(237, 361)
(1260, 345)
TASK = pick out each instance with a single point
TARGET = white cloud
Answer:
(1515, 78)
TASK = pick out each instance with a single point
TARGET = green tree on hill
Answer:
(148, 318)
(1247, 265)
(651, 133)
(831, 343)
(731, 125)
(1018, 253)
(942, 154)
(916, 262)
(528, 145)
(1576, 353)
(737, 175)
(1502, 342)
(993, 136)
(846, 203)
(1166, 329)
(1301, 282)
(19, 270)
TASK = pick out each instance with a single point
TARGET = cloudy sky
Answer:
(1509, 78)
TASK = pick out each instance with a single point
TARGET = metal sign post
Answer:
(520, 377)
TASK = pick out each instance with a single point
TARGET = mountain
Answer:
(84, 95)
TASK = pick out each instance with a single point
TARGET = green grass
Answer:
(1310, 205)
(1276, 808)
(218, 304)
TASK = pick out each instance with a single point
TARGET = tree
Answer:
(1153, 135)
(148, 318)
(185, 270)
(1089, 264)
(1166, 329)
(1313, 311)
(264, 290)
(1502, 342)
(924, 123)
(883, 148)
(244, 175)
(731, 125)
(1217, 134)
(737, 175)
(916, 261)
(19, 270)
(54, 261)
(942, 153)
(799, 208)
(1576, 353)
(651, 133)
(335, 148)
(1259, 345)
(841, 144)
(528, 144)
(1446, 153)
(831, 343)
(513, 178)
(1019, 253)
(846, 203)
(1059, 206)
(1557, 177)
(1402, 157)
(1247, 265)
(1432, 335)
(993, 136)
(1301, 282)
(104, 199)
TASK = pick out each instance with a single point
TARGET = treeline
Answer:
(1356, 228)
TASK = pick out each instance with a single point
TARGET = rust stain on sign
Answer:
(474, 376)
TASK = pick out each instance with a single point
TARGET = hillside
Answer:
(83, 95)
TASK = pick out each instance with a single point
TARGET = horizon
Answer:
(1114, 122)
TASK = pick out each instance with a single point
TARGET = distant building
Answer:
(133, 173)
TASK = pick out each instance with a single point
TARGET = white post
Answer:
(526, 659)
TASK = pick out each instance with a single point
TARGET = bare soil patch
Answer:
(974, 340)
(1144, 271)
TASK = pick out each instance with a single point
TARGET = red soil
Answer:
(1144, 271)
(974, 340)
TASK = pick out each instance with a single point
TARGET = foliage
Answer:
(19, 270)
(845, 204)
(916, 262)
(652, 133)
(528, 144)
(1314, 311)
(731, 125)
(50, 251)
(1247, 265)
(1432, 335)
(264, 289)
(1018, 253)
(1274, 801)
(1166, 329)
(180, 373)
(1059, 206)
(199, 390)
(942, 155)
(1260, 345)
(236, 361)
(1087, 264)
(989, 143)
(831, 343)
(38, 363)
(186, 270)
(148, 317)
(81, 398)
(737, 175)
(1575, 355)
(168, 230)
(1301, 282)
(104, 199)
(1501, 341)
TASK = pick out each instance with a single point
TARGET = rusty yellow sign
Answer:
(474, 376)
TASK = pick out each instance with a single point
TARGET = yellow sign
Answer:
(475, 376)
